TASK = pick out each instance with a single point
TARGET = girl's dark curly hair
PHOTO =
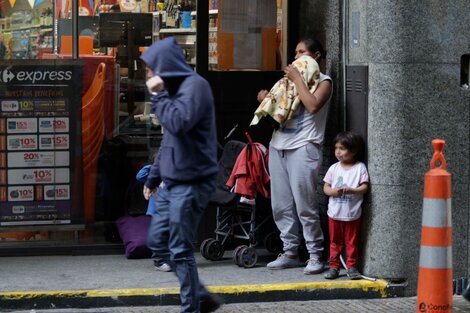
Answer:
(353, 142)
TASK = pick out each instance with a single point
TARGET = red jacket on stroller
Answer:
(250, 173)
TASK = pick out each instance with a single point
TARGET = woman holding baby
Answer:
(295, 158)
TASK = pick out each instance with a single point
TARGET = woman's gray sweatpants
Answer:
(294, 177)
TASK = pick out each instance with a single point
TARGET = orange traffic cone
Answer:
(435, 257)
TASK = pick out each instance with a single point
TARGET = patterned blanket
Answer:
(282, 101)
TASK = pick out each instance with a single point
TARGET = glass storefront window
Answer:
(247, 35)
(118, 134)
(178, 19)
(26, 29)
(243, 35)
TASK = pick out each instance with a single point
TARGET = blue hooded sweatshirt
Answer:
(185, 109)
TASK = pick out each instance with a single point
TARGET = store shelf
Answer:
(42, 28)
(211, 12)
(177, 30)
(186, 37)
(181, 30)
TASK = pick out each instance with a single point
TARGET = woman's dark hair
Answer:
(351, 141)
(313, 46)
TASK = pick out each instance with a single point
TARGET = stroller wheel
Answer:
(236, 254)
(203, 250)
(247, 257)
(273, 243)
(215, 250)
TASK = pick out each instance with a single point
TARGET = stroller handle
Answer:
(231, 132)
(248, 137)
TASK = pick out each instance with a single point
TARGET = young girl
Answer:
(345, 182)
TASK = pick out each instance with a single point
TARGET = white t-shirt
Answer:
(303, 128)
(347, 207)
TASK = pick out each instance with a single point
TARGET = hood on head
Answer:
(165, 58)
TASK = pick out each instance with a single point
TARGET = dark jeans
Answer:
(172, 233)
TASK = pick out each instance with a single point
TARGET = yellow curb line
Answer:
(378, 285)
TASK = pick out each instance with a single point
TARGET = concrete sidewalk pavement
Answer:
(113, 281)
(387, 305)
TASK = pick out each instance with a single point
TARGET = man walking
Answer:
(185, 167)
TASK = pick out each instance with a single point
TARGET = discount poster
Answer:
(40, 142)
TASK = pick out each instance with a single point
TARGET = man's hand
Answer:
(148, 192)
(155, 84)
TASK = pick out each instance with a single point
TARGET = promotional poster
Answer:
(40, 143)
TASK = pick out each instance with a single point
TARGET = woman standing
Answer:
(295, 159)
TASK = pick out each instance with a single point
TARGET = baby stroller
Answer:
(236, 216)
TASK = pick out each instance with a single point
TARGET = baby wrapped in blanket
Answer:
(282, 101)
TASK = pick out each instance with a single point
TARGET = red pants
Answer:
(343, 233)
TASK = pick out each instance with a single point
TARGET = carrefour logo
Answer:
(6, 76)
(36, 76)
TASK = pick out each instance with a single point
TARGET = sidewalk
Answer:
(113, 281)
(387, 305)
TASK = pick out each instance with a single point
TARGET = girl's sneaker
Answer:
(353, 273)
(332, 273)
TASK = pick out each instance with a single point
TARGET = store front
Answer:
(73, 139)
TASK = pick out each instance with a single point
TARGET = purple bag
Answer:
(133, 232)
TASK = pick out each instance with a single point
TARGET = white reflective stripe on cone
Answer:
(435, 257)
(437, 212)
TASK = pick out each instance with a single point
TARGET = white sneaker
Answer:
(164, 267)
(283, 261)
(314, 266)
(161, 266)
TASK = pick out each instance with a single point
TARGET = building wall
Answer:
(413, 49)
(413, 52)
(322, 19)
